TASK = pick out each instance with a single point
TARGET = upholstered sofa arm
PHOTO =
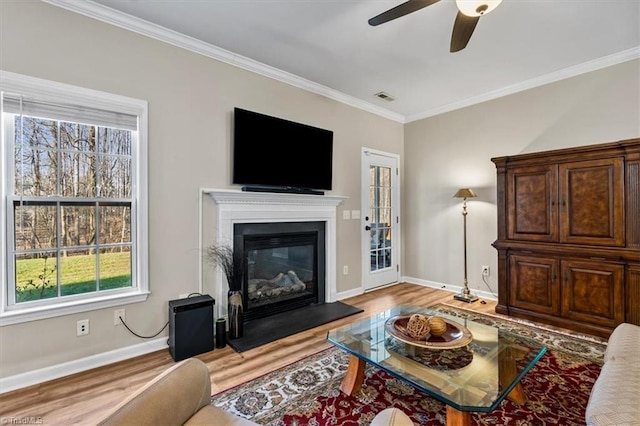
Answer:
(172, 398)
(615, 396)
(392, 417)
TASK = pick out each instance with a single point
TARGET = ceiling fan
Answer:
(469, 13)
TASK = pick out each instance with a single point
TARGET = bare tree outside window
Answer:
(72, 208)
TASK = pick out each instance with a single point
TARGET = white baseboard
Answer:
(447, 287)
(34, 377)
(425, 283)
(349, 293)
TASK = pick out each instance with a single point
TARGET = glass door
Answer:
(380, 218)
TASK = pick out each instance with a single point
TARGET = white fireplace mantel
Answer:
(235, 206)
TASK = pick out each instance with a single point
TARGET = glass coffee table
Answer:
(473, 369)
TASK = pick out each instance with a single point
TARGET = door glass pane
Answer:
(385, 177)
(381, 216)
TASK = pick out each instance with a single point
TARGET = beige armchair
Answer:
(179, 396)
(182, 396)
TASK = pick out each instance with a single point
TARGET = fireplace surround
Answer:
(239, 207)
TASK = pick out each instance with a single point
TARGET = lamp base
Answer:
(466, 297)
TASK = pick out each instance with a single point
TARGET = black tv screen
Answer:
(273, 152)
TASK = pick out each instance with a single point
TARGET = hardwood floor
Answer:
(84, 397)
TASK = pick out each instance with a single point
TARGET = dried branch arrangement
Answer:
(222, 257)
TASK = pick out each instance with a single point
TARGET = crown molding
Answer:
(573, 71)
(140, 26)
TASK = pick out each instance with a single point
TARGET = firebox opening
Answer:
(283, 266)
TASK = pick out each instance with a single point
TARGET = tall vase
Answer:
(235, 313)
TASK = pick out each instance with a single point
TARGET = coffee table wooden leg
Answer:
(458, 418)
(354, 378)
(508, 372)
(517, 395)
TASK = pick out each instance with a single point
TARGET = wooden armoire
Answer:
(569, 236)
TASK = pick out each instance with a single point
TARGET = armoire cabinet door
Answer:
(534, 283)
(592, 202)
(593, 292)
(532, 210)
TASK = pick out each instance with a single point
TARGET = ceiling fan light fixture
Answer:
(475, 8)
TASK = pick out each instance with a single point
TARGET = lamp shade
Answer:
(465, 193)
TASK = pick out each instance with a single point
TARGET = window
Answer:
(74, 199)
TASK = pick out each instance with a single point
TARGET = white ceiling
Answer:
(328, 47)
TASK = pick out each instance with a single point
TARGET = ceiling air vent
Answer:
(384, 96)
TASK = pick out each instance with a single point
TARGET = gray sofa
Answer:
(182, 396)
(615, 397)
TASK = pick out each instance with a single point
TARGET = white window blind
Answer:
(20, 104)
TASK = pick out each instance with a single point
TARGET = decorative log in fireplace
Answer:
(283, 266)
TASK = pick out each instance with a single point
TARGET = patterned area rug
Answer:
(307, 392)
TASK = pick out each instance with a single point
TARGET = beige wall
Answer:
(190, 102)
(454, 150)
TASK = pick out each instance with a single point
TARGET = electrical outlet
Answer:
(346, 214)
(345, 270)
(485, 271)
(117, 314)
(82, 327)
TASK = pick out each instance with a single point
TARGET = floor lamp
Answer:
(465, 295)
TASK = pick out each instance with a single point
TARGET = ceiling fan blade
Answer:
(400, 10)
(462, 30)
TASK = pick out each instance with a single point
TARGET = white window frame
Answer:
(64, 93)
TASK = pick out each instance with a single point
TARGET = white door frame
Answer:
(376, 279)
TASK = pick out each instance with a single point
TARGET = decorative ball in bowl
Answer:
(437, 326)
(418, 326)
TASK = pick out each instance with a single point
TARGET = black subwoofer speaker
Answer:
(190, 326)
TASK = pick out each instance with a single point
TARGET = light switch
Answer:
(346, 214)
(355, 214)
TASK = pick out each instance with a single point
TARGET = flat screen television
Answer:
(273, 154)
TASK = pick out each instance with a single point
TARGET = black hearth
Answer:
(283, 266)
